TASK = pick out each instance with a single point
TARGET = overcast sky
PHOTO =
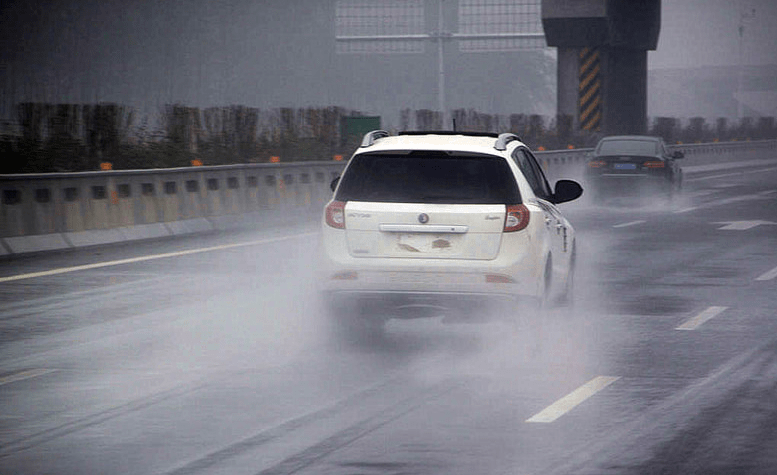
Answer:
(202, 52)
(705, 33)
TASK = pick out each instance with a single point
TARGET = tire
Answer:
(543, 300)
(533, 323)
(595, 195)
(567, 299)
(675, 188)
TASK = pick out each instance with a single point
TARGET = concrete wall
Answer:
(57, 202)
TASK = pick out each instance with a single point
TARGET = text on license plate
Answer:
(625, 166)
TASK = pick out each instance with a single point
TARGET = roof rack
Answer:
(371, 137)
(448, 132)
(504, 139)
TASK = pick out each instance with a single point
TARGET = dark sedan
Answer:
(628, 164)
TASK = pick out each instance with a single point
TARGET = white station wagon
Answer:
(444, 223)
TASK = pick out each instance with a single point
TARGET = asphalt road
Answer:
(210, 355)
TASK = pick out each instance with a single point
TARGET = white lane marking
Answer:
(742, 225)
(630, 223)
(97, 265)
(699, 194)
(685, 210)
(699, 319)
(731, 174)
(726, 201)
(573, 399)
(768, 275)
(29, 374)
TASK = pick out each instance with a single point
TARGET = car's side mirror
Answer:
(678, 154)
(566, 190)
(334, 183)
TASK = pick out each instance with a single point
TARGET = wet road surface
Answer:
(210, 354)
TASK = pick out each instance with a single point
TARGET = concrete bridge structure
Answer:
(602, 60)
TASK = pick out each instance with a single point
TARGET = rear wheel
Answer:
(595, 194)
(547, 281)
(567, 299)
(531, 324)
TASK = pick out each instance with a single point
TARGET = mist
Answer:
(703, 33)
(229, 359)
(283, 54)
(259, 54)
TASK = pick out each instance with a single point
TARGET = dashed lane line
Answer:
(573, 399)
(97, 265)
(630, 223)
(685, 210)
(768, 275)
(727, 201)
(699, 319)
(730, 174)
(21, 376)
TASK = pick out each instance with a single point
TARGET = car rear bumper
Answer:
(615, 175)
(385, 285)
(625, 182)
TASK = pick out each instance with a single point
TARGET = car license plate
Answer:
(426, 243)
(625, 166)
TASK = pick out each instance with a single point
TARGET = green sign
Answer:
(358, 125)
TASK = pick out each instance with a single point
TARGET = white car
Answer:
(444, 223)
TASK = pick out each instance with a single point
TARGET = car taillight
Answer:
(335, 214)
(597, 163)
(517, 218)
(653, 164)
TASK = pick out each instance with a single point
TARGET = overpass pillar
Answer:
(602, 60)
(567, 80)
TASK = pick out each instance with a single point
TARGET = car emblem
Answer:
(423, 218)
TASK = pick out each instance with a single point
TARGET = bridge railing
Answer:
(107, 206)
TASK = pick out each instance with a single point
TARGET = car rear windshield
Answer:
(429, 177)
(627, 147)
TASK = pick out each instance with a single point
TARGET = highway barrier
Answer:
(50, 211)
(566, 163)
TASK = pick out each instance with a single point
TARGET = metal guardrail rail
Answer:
(105, 206)
(690, 150)
(568, 161)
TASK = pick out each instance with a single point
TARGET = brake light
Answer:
(653, 164)
(517, 218)
(597, 163)
(335, 214)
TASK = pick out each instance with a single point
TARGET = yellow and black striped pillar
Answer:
(590, 90)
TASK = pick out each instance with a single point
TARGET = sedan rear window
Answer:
(628, 147)
(429, 177)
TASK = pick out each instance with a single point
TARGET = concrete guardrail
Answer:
(51, 211)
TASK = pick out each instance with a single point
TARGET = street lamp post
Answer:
(440, 36)
(740, 76)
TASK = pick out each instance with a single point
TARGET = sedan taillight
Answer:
(653, 164)
(517, 218)
(335, 214)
